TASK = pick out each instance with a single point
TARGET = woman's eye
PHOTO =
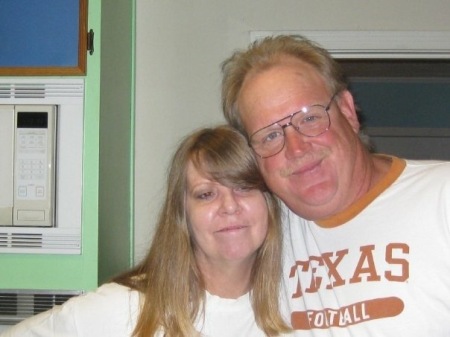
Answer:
(246, 191)
(243, 189)
(205, 195)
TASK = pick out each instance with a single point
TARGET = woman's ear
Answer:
(348, 109)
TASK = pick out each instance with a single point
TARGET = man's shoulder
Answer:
(427, 166)
(425, 175)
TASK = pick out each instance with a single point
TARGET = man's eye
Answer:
(272, 136)
(313, 118)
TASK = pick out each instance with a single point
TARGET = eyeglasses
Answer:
(310, 121)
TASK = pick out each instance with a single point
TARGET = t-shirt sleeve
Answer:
(109, 311)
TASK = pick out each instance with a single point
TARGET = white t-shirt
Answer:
(112, 311)
(383, 270)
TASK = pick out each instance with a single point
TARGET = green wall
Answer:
(70, 272)
(116, 138)
(107, 214)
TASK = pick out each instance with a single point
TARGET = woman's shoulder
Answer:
(111, 310)
(112, 291)
(110, 297)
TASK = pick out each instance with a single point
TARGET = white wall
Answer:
(180, 45)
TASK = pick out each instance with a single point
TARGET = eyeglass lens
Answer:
(311, 122)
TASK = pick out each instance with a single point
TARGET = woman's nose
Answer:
(230, 203)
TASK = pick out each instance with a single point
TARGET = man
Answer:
(367, 236)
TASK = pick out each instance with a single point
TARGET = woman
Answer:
(213, 267)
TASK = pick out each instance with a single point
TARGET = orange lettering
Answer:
(316, 281)
(366, 258)
(332, 267)
(304, 267)
(404, 274)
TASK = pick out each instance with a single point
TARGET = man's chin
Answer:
(310, 206)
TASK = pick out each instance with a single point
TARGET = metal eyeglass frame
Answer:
(289, 123)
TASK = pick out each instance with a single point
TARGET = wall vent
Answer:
(20, 240)
(5, 91)
(38, 240)
(29, 90)
(35, 242)
(17, 305)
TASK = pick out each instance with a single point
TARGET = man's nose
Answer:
(294, 142)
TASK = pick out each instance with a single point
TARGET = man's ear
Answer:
(348, 109)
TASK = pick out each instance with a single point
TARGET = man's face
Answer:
(312, 175)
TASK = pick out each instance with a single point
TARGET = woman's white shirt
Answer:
(112, 311)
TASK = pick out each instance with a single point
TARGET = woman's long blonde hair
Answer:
(169, 278)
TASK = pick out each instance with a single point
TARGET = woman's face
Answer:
(228, 224)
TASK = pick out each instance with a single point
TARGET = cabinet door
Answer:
(44, 37)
